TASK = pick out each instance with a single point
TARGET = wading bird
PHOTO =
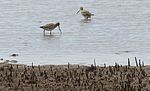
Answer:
(86, 14)
(50, 27)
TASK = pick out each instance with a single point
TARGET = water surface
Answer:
(119, 30)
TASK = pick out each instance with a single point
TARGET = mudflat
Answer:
(18, 77)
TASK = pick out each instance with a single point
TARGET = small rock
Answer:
(1, 59)
(13, 61)
(6, 61)
(14, 55)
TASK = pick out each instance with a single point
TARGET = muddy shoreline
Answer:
(19, 77)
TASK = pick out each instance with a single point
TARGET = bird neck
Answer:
(57, 24)
(83, 10)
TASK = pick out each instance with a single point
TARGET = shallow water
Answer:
(119, 30)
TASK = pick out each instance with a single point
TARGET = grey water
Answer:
(119, 30)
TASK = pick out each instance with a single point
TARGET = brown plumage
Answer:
(50, 27)
(86, 14)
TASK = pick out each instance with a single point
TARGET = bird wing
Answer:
(49, 25)
(86, 13)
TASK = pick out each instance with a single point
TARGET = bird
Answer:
(86, 14)
(50, 27)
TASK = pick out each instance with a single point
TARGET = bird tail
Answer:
(92, 14)
(41, 26)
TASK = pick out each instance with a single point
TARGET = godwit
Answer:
(86, 14)
(50, 27)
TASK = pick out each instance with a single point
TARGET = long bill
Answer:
(59, 29)
(78, 12)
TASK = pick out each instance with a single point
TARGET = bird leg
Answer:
(44, 31)
(86, 18)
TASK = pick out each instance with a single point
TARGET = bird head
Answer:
(81, 8)
(58, 24)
